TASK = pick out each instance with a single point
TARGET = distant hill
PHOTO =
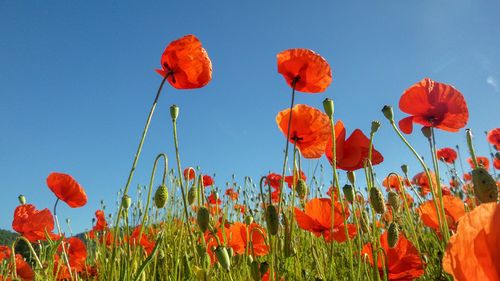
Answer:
(7, 237)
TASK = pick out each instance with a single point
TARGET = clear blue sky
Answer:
(77, 80)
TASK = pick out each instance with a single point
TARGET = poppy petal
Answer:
(406, 125)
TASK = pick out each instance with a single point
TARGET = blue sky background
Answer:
(77, 80)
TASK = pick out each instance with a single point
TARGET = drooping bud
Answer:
(272, 219)
(174, 112)
(301, 188)
(22, 199)
(192, 194)
(393, 234)
(329, 107)
(348, 192)
(388, 113)
(126, 202)
(427, 132)
(203, 218)
(485, 187)
(377, 200)
(223, 257)
(375, 126)
(351, 176)
(161, 196)
(364, 221)
(248, 220)
(394, 201)
(404, 168)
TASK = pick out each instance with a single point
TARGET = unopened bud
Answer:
(264, 267)
(329, 107)
(301, 188)
(126, 202)
(348, 192)
(248, 220)
(497, 155)
(394, 201)
(388, 113)
(351, 176)
(203, 218)
(161, 196)
(375, 126)
(377, 200)
(404, 168)
(22, 199)
(223, 257)
(393, 235)
(174, 112)
(272, 219)
(427, 132)
(485, 187)
(192, 194)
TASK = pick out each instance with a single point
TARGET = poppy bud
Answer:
(248, 220)
(230, 252)
(161, 196)
(301, 188)
(404, 168)
(427, 132)
(485, 186)
(223, 257)
(272, 219)
(203, 218)
(126, 202)
(375, 126)
(254, 269)
(364, 221)
(250, 259)
(393, 235)
(206, 261)
(22, 199)
(388, 113)
(329, 107)
(377, 200)
(192, 194)
(351, 176)
(174, 112)
(348, 192)
(264, 267)
(394, 201)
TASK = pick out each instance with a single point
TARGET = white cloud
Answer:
(494, 83)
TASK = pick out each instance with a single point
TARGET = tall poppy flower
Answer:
(453, 209)
(298, 176)
(447, 154)
(23, 269)
(395, 182)
(67, 189)
(207, 180)
(352, 152)
(273, 180)
(433, 104)
(309, 71)
(493, 138)
(496, 163)
(77, 254)
(257, 241)
(309, 130)
(316, 218)
(189, 173)
(186, 63)
(403, 261)
(232, 194)
(421, 180)
(481, 161)
(32, 223)
(143, 240)
(472, 253)
(101, 224)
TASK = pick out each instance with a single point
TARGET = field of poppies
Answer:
(436, 224)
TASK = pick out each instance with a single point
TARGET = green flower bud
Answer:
(161, 196)
(272, 219)
(192, 194)
(377, 200)
(174, 112)
(485, 187)
(223, 257)
(203, 218)
(393, 234)
(264, 267)
(497, 155)
(427, 132)
(404, 168)
(301, 188)
(375, 126)
(351, 176)
(126, 202)
(394, 201)
(248, 220)
(388, 113)
(206, 261)
(348, 192)
(22, 199)
(329, 107)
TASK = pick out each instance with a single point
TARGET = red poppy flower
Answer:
(496, 163)
(472, 253)
(240, 208)
(77, 254)
(289, 179)
(273, 180)
(481, 161)
(467, 177)
(310, 71)
(147, 244)
(395, 182)
(493, 137)
(214, 199)
(309, 129)
(257, 243)
(187, 63)
(317, 219)
(23, 269)
(191, 174)
(421, 180)
(100, 225)
(232, 194)
(32, 223)
(447, 154)
(351, 153)
(207, 180)
(403, 261)
(433, 104)
(453, 209)
(67, 189)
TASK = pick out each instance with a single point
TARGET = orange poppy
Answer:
(289, 179)
(447, 154)
(273, 180)
(317, 219)
(189, 173)
(100, 225)
(240, 208)
(309, 71)
(403, 261)
(23, 269)
(421, 180)
(467, 177)
(481, 161)
(433, 104)
(493, 137)
(144, 241)
(187, 63)
(453, 209)
(207, 180)
(232, 194)
(257, 243)
(77, 254)
(395, 182)
(309, 129)
(351, 153)
(67, 189)
(472, 253)
(32, 223)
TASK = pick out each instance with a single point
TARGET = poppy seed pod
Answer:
(248, 220)
(161, 196)
(394, 201)
(192, 194)
(203, 218)
(272, 219)
(328, 105)
(174, 112)
(126, 202)
(22, 199)
(223, 257)
(404, 168)
(393, 234)
(375, 126)
(427, 132)
(348, 192)
(351, 176)
(388, 113)
(485, 186)
(301, 188)
(377, 200)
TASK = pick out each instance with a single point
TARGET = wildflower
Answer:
(273, 180)
(481, 161)
(207, 180)
(395, 182)
(23, 269)
(32, 223)
(433, 104)
(289, 179)
(189, 173)
(67, 189)
(447, 155)
(232, 194)
(421, 180)
(186, 63)
(453, 209)
(147, 244)
(77, 254)
(493, 138)
(304, 70)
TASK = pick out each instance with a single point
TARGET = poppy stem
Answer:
(65, 255)
(460, 159)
